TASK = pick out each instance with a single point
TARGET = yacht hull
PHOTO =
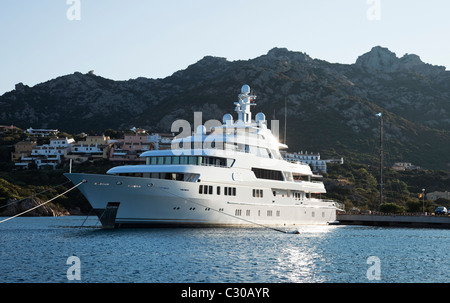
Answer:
(132, 201)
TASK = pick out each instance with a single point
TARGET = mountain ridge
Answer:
(331, 106)
(381, 58)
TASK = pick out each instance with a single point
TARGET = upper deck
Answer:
(241, 144)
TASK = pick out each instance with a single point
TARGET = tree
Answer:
(413, 206)
(391, 208)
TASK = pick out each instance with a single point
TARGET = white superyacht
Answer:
(232, 175)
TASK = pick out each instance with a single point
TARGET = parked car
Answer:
(440, 210)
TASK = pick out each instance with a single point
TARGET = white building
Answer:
(94, 147)
(402, 166)
(51, 154)
(438, 194)
(41, 132)
(313, 159)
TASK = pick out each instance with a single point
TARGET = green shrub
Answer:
(391, 208)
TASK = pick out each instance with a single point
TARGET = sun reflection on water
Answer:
(301, 258)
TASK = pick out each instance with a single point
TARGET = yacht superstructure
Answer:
(230, 175)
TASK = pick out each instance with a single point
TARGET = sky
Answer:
(120, 40)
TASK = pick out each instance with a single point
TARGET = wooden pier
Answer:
(403, 220)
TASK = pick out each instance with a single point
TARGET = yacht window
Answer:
(175, 160)
(139, 175)
(167, 160)
(229, 191)
(215, 161)
(153, 160)
(298, 195)
(258, 193)
(269, 174)
(160, 160)
(191, 177)
(205, 189)
(218, 190)
(187, 177)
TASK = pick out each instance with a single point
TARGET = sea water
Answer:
(75, 249)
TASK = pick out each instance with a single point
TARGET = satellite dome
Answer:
(260, 117)
(245, 89)
(227, 117)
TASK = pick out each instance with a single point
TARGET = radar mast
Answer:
(244, 104)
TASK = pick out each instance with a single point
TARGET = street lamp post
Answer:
(423, 201)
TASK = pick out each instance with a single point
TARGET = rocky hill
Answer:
(330, 107)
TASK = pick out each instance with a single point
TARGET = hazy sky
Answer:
(121, 39)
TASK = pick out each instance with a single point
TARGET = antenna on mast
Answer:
(244, 103)
(285, 117)
(381, 158)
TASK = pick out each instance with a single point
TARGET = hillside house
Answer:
(22, 153)
(41, 132)
(312, 159)
(93, 148)
(51, 154)
(129, 148)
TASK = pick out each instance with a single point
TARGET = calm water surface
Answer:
(37, 249)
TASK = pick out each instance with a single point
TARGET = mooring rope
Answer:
(28, 210)
(34, 195)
